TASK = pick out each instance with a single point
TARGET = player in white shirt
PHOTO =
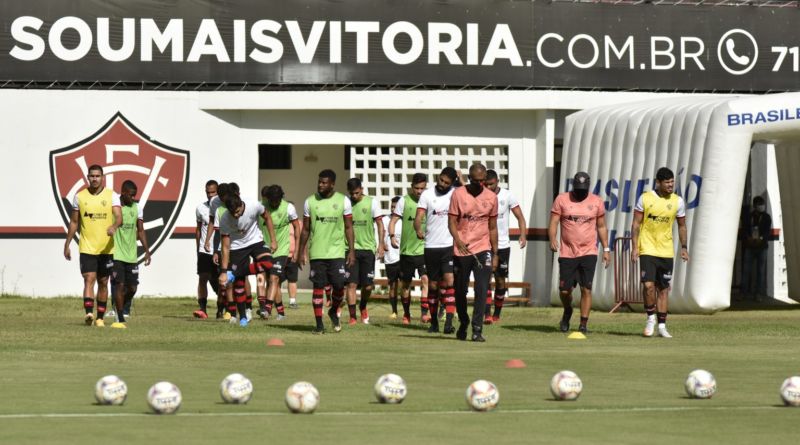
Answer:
(434, 208)
(506, 205)
(241, 239)
(391, 258)
(206, 268)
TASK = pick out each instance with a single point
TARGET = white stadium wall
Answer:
(706, 142)
(221, 131)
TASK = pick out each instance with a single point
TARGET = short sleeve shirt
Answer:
(506, 202)
(243, 231)
(655, 233)
(472, 218)
(202, 213)
(578, 224)
(437, 207)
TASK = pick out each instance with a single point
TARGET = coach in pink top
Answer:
(581, 216)
(473, 224)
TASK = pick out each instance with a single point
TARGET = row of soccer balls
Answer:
(481, 395)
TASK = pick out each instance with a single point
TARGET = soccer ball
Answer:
(566, 385)
(790, 391)
(110, 390)
(236, 388)
(164, 398)
(302, 397)
(700, 384)
(390, 388)
(482, 395)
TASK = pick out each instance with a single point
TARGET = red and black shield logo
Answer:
(161, 174)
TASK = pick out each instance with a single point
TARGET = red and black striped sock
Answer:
(101, 309)
(240, 297)
(650, 309)
(88, 305)
(423, 306)
(584, 320)
(352, 309)
(337, 298)
(262, 302)
(499, 299)
(407, 307)
(660, 316)
(488, 299)
(279, 308)
(268, 306)
(316, 302)
(433, 302)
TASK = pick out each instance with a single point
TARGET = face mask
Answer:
(580, 195)
(761, 207)
(475, 188)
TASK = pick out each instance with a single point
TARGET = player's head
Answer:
(580, 186)
(492, 181)
(211, 189)
(233, 188)
(477, 176)
(273, 194)
(393, 204)
(355, 189)
(326, 182)
(95, 176)
(223, 190)
(419, 182)
(759, 204)
(234, 205)
(128, 192)
(446, 179)
(665, 181)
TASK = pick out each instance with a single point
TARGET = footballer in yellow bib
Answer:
(96, 210)
(652, 246)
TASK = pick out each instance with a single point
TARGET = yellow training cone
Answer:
(576, 336)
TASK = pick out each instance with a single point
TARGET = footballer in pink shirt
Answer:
(581, 217)
(473, 225)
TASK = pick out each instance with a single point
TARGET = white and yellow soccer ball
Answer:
(110, 390)
(482, 395)
(390, 388)
(302, 398)
(790, 391)
(236, 388)
(164, 398)
(566, 385)
(700, 384)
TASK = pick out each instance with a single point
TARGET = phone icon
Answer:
(730, 47)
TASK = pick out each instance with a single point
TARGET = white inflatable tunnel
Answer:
(706, 141)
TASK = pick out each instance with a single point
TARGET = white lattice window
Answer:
(386, 171)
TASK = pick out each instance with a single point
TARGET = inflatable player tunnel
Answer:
(706, 141)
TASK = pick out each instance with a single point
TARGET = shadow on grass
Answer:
(620, 333)
(429, 337)
(530, 328)
(768, 305)
(294, 327)
(409, 327)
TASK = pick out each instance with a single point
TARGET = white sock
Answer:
(662, 326)
(292, 301)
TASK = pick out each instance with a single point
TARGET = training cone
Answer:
(576, 336)
(275, 342)
(515, 363)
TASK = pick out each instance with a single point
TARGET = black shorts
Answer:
(657, 270)
(325, 272)
(240, 258)
(205, 264)
(438, 261)
(410, 264)
(503, 255)
(393, 272)
(576, 271)
(279, 267)
(363, 271)
(126, 273)
(291, 271)
(99, 264)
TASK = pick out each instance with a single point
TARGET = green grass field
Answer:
(633, 386)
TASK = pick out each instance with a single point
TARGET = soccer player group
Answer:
(448, 235)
